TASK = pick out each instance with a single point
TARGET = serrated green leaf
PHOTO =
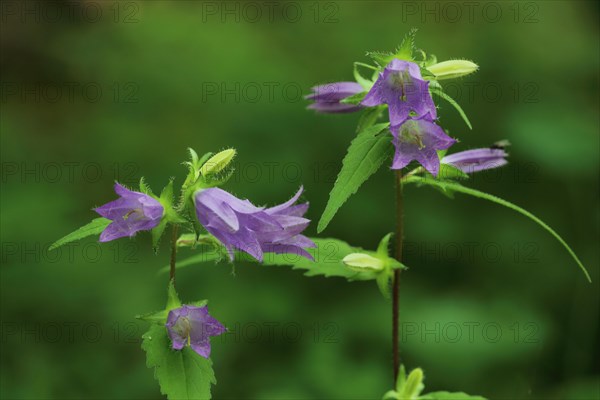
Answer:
(95, 227)
(328, 257)
(182, 374)
(369, 117)
(450, 396)
(327, 262)
(456, 187)
(452, 102)
(366, 154)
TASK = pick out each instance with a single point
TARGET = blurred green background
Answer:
(491, 305)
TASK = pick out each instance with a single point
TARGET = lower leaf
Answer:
(181, 374)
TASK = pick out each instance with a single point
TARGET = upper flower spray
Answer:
(403, 83)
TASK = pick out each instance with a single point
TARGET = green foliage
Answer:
(369, 117)
(449, 396)
(410, 388)
(93, 228)
(456, 187)
(182, 374)
(440, 93)
(366, 154)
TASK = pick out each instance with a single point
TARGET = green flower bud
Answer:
(218, 162)
(362, 262)
(452, 69)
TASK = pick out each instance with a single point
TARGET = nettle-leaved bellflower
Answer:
(419, 139)
(403, 89)
(132, 212)
(239, 224)
(477, 159)
(193, 326)
(327, 97)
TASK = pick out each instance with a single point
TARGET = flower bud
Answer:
(218, 162)
(362, 262)
(452, 69)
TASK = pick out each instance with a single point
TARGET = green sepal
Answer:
(407, 47)
(403, 52)
(384, 281)
(96, 226)
(413, 386)
(383, 247)
(450, 172)
(144, 188)
(157, 233)
(401, 378)
(160, 317)
(172, 297)
(362, 81)
(355, 99)
(194, 166)
(381, 58)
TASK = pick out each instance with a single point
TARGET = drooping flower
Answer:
(193, 326)
(419, 139)
(477, 159)
(403, 89)
(327, 97)
(239, 224)
(132, 212)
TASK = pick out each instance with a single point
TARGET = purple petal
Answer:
(287, 204)
(477, 159)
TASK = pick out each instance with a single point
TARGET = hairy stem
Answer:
(173, 252)
(396, 283)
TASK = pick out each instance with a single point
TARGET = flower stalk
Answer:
(396, 282)
(173, 263)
